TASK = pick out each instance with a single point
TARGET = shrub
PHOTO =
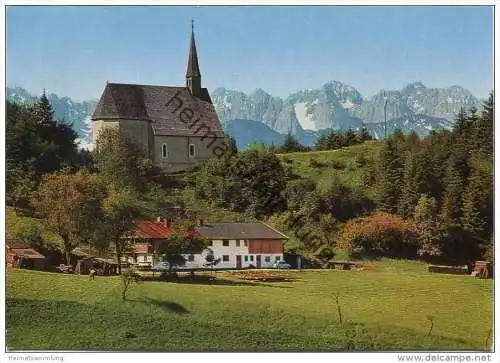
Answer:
(380, 234)
(314, 163)
(297, 190)
(338, 165)
(360, 160)
(287, 160)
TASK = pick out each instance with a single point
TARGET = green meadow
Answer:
(393, 305)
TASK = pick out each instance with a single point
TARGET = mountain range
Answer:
(261, 117)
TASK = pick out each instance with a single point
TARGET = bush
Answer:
(325, 254)
(380, 234)
(287, 160)
(338, 165)
(314, 163)
(360, 160)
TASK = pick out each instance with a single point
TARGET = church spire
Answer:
(193, 75)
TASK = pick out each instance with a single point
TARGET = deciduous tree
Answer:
(71, 204)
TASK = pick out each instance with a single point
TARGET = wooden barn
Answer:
(20, 255)
(103, 266)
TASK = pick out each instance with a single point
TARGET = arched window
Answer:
(164, 151)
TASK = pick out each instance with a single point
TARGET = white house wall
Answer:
(219, 250)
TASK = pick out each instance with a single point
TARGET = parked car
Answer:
(282, 264)
(161, 266)
(165, 266)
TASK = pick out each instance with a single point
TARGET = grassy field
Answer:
(385, 307)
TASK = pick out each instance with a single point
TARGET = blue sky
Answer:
(73, 50)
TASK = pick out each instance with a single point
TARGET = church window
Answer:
(164, 151)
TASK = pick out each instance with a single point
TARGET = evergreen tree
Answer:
(390, 174)
(413, 182)
(290, 145)
(431, 235)
(484, 131)
(349, 138)
(59, 148)
(363, 134)
(477, 217)
(451, 209)
(334, 141)
(45, 113)
(321, 143)
(435, 153)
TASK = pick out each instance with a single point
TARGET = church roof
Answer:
(161, 105)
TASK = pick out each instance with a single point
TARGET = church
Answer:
(177, 126)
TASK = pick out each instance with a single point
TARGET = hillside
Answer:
(14, 220)
(322, 166)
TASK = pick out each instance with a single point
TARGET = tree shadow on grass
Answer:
(228, 282)
(203, 280)
(167, 305)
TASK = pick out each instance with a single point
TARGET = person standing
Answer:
(92, 273)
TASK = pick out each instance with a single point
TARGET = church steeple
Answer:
(193, 75)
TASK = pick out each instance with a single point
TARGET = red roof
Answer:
(155, 230)
(16, 244)
(152, 229)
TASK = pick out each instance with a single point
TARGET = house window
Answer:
(164, 151)
(245, 243)
(237, 243)
(267, 259)
(246, 258)
(210, 243)
(225, 242)
(277, 258)
(191, 150)
(225, 258)
(251, 258)
(191, 258)
(145, 258)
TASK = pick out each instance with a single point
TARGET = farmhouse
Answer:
(236, 244)
(20, 254)
(176, 125)
(146, 239)
(241, 245)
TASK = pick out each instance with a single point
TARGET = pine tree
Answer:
(461, 122)
(484, 131)
(477, 216)
(321, 142)
(390, 176)
(45, 112)
(363, 134)
(290, 145)
(430, 234)
(451, 209)
(413, 184)
(59, 139)
(349, 138)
